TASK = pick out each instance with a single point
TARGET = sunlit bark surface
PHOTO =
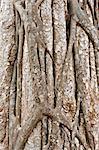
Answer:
(49, 69)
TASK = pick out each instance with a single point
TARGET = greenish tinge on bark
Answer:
(49, 68)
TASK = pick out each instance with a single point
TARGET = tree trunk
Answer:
(49, 68)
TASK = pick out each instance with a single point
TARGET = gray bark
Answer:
(49, 68)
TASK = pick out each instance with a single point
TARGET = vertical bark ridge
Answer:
(36, 94)
(59, 44)
(59, 50)
(46, 17)
(7, 45)
(91, 17)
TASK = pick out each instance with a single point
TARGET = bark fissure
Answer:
(54, 73)
(19, 73)
(90, 63)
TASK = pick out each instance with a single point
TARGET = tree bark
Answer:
(49, 67)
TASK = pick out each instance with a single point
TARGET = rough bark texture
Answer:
(49, 68)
